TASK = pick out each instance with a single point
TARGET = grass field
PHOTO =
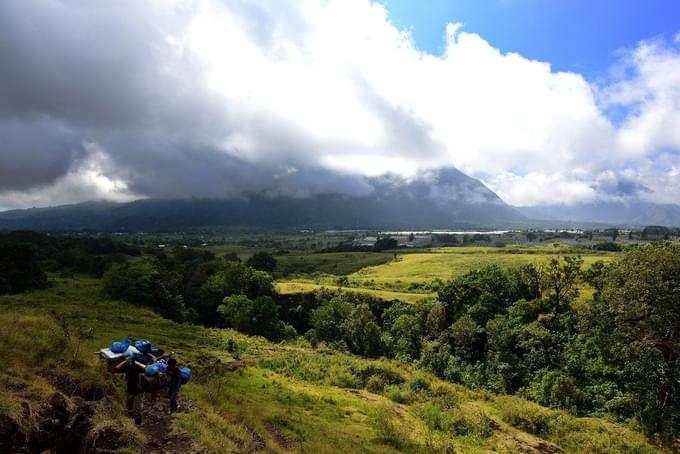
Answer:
(249, 395)
(412, 275)
(289, 287)
(335, 263)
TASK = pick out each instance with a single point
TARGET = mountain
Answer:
(442, 199)
(632, 214)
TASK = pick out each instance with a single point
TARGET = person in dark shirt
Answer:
(174, 382)
(134, 396)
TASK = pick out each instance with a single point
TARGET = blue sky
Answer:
(573, 35)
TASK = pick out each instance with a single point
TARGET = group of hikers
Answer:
(134, 374)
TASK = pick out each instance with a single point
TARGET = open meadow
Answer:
(410, 275)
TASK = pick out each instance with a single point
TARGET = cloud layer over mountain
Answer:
(128, 99)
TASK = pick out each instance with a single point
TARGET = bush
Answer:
(387, 431)
(262, 261)
(386, 374)
(342, 378)
(435, 418)
(527, 417)
(419, 384)
(472, 422)
(396, 394)
(607, 246)
(375, 384)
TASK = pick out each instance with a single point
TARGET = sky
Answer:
(546, 102)
(582, 36)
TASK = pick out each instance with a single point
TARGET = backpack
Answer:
(143, 346)
(151, 371)
(120, 346)
(185, 375)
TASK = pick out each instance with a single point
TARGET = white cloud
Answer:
(86, 181)
(489, 113)
(333, 84)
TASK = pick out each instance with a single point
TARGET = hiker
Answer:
(174, 382)
(134, 399)
(158, 358)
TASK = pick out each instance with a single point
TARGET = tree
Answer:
(638, 320)
(560, 278)
(466, 339)
(257, 316)
(327, 319)
(384, 243)
(19, 270)
(145, 282)
(488, 288)
(262, 261)
(361, 332)
(233, 278)
(231, 256)
(435, 322)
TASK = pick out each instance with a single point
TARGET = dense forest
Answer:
(516, 330)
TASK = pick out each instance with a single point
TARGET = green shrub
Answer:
(435, 418)
(396, 394)
(343, 378)
(474, 423)
(527, 417)
(387, 431)
(375, 384)
(419, 384)
(388, 375)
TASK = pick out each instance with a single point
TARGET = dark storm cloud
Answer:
(90, 67)
(104, 72)
(34, 152)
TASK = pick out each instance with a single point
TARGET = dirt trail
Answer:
(157, 427)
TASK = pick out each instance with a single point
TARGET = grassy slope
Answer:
(277, 397)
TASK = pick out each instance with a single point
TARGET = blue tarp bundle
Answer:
(143, 346)
(185, 374)
(151, 370)
(162, 365)
(120, 346)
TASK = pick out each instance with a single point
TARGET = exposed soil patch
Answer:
(71, 386)
(157, 427)
(537, 447)
(279, 436)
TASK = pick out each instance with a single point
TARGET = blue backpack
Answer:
(144, 346)
(151, 371)
(120, 346)
(185, 375)
(161, 366)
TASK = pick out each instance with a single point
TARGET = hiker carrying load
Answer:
(147, 370)
(174, 382)
(134, 396)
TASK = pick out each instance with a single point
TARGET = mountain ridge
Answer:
(441, 199)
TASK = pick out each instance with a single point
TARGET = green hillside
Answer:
(247, 394)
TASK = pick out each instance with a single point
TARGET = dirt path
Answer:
(157, 427)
